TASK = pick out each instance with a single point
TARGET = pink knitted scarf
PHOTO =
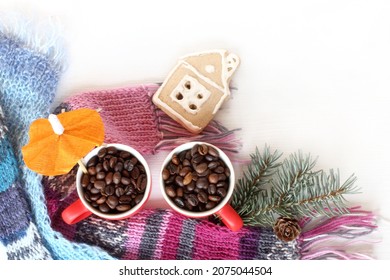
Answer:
(131, 118)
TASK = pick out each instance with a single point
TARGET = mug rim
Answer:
(220, 205)
(131, 211)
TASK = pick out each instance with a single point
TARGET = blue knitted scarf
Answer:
(30, 67)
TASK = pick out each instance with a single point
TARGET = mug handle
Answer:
(230, 218)
(75, 212)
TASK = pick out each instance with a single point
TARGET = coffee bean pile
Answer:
(196, 179)
(115, 182)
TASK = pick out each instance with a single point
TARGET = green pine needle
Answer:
(269, 189)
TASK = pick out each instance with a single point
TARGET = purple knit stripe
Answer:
(225, 245)
(150, 235)
(14, 220)
(55, 207)
(249, 243)
(160, 241)
(187, 236)
(172, 237)
(136, 228)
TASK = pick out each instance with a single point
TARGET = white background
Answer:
(314, 76)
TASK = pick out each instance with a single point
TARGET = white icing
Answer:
(190, 94)
(178, 116)
(210, 68)
(204, 78)
(232, 62)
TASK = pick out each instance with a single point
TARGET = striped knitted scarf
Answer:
(30, 208)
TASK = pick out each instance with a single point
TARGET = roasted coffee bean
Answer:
(92, 179)
(213, 152)
(213, 178)
(197, 158)
(99, 167)
(210, 205)
(109, 190)
(93, 161)
(200, 168)
(116, 178)
(222, 184)
(170, 180)
(106, 165)
(135, 173)
(109, 178)
(119, 191)
(124, 154)
(179, 202)
(212, 189)
(222, 177)
(185, 170)
(202, 183)
(87, 196)
(141, 183)
(118, 167)
(219, 169)
(92, 170)
(214, 198)
(100, 175)
(102, 152)
(202, 197)
(179, 181)
(111, 150)
(180, 192)
(165, 174)
(138, 198)
(112, 201)
(104, 208)
(196, 179)
(94, 191)
(186, 162)
(99, 185)
(113, 162)
(125, 181)
(123, 207)
(221, 192)
(125, 173)
(95, 197)
(175, 159)
(187, 179)
(209, 158)
(192, 200)
(203, 149)
(190, 187)
(170, 191)
(125, 199)
(213, 164)
(84, 180)
(101, 200)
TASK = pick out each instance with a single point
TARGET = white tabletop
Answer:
(313, 77)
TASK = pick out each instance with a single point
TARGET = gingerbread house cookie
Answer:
(196, 88)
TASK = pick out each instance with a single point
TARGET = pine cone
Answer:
(286, 229)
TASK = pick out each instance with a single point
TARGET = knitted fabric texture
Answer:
(164, 234)
(30, 66)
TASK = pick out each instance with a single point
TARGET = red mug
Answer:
(81, 209)
(223, 209)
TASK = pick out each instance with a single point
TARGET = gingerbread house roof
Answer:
(217, 66)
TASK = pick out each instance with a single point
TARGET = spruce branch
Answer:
(289, 189)
(259, 172)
